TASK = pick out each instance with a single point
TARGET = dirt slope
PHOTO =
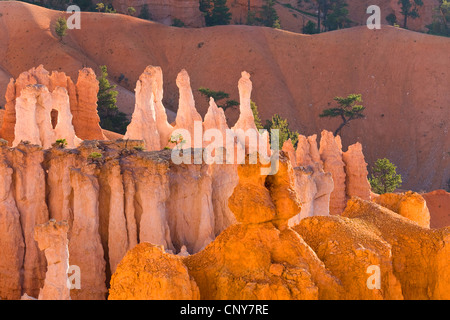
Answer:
(402, 75)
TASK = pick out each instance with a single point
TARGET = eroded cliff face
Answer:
(11, 239)
(114, 195)
(52, 239)
(327, 177)
(282, 267)
(330, 257)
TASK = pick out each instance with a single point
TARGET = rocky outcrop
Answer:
(420, 278)
(52, 239)
(215, 122)
(29, 195)
(272, 271)
(288, 147)
(348, 248)
(148, 273)
(246, 121)
(85, 117)
(190, 208)
(64, 128)
(11, 239)
(82, 99)
(410, 205)
(85, 245)
(331, 155)
(224, 180)
(327, 178)
(283, 266)
(187, 115)
(162, 122)
(370, 237)
(144, 123)
(312, 184)
(114, 195)
(118, 242)
(33, 123)
(111, 205)
(356, 173)
(152, 191)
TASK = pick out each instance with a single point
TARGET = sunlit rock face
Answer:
(331, 155)
(24, 206)
(85, 117)
(197, 229)
(356, 173)
(64, 128)
(262, 205)
(188, 119)
(419, 278)
(410, 205)
(144, 123)
(148, 273)
(11, 238)
(327, 177)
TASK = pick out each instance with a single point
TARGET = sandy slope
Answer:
(402, 75)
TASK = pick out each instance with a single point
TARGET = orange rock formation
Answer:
(322, 258)
(410, 205)
(148, 273)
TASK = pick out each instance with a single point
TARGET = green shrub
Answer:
(178, 23)
(284, 132)
(310, 28)
(145, 13)
(60, 143)
(384, 177)
(61, 28)
(95, 156)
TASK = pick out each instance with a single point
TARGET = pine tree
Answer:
(255, 112)
(384, 177)
(145, 13)
(131, 11)
(61, 28)
(409, 8)
(110, 116)
(218, 96)
(284, 132)
(269, 16)
(219, 15)
(441, 20)
(348, 110)
(338, 16)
